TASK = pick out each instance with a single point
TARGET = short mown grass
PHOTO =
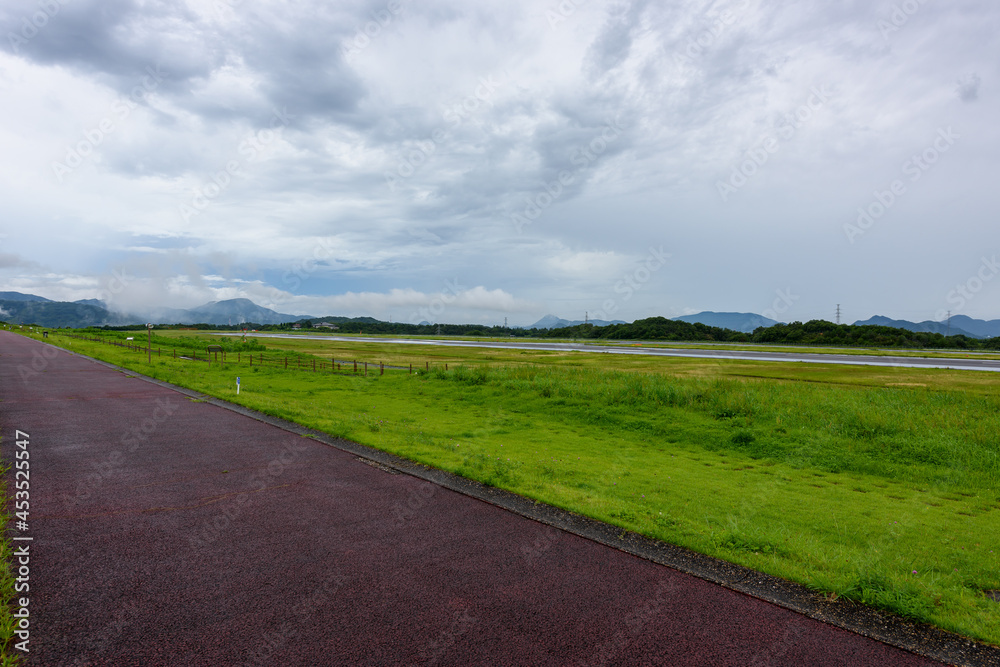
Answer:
(876, 485)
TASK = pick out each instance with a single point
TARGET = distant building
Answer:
(326, 325)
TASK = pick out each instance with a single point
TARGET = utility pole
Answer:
(838, 313)
(949, 323)
(505, 323)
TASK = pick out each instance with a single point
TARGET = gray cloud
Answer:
(968, 88)
(411, 138)
(12, 261)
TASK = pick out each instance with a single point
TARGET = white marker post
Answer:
(237, 385)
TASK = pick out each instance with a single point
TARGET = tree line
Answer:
(813, 332)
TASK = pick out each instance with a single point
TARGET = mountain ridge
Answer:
(22, 308)
(29, 309)
(21, 296)
(930, 326)
(552, 322)
(744, 322)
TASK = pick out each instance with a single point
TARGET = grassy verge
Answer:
(8, 656)
(264, 337)
(878, 485)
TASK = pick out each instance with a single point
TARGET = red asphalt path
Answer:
(173, 532)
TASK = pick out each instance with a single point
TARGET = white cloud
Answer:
(474, 109)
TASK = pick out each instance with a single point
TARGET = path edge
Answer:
(915, 637)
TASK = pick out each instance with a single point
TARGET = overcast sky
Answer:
(470, 161)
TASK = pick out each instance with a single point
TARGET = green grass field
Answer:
(747, 347)
(876, 484)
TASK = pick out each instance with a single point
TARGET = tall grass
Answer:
(939, 438)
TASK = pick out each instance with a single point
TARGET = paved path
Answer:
(173, 532)
(961, 361)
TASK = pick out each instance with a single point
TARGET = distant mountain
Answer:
(59, 314)
(984, 328)
(18, 296)
(92, 313)
(229, 311)
(93, 302)
(235, 311)
(745, 322)
(553, 322)
(339, 319)
(929, 326)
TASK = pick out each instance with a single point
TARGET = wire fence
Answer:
(257, 359)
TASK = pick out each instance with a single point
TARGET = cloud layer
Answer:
(367, 158)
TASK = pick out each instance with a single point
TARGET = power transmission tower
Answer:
(838, 313)
(949, 324)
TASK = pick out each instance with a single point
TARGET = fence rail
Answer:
(259, 359)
